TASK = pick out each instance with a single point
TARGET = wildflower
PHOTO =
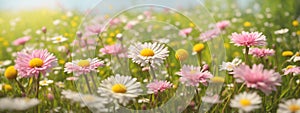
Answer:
(11, 73)
(223, 24)
(120, 88)
(229, 66)
(185, 32)
(295, 23)
(295, 58)
(181, 54)
(7, 87)
(34, 63)
(281, 31)
(79, 67)
(5, 63)
(246, 101)
(248, 39)
(148, 53)
(257, 52)
(291, 69)
(21, 41)
(212, 99)
(192, 76)
(19, 104)
(45, 82)
(289, 106)
(257, 77)
(287, 53)
(208, 35)
(158, 86)
(198, 48)
(94, 29)
(112, 49)
(58, 39)
(247, 24)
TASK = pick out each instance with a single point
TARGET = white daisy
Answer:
(45, 82)
(92, 101)
(246, 101)
(5, 63)
(58, 39)
(229, 66)
(295, 58)
(148, 53)
(121, 89)
(281, 31)
(8, 103)
(289, 106)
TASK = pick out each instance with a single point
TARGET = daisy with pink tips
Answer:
(248, 39)
(257, 77)
(21, 41)
(291, 69)
(158, 86)
(257, 52)
(79, 67)
(192, 76)
(185, 32)
(34, 63)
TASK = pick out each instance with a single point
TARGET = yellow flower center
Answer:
(36, 62)
(84, 63)
(289, 66)
(297, 54)
(298, 32)
(287, 53)
(119, 88)
(11, 72)
(198, 47)
(294, 108)
(147, 52)
(245, 102)
(181, 54)
(58, 39)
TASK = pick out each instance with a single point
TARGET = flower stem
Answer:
(199, 58)
(247, 55)
(37, 86)
(20, 86)
(87, 83)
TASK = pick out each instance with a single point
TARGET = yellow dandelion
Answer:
(198, 47)
(295, 23)
(181, 54)
(287, 53)
(11, 73)
(247, 24)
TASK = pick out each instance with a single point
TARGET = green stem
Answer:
(247, 55)
(199, 58)
(20, 86)
(87, 83)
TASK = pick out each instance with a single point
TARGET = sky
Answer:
(81, 5)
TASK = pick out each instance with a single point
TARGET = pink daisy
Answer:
(21, 41)
(257, 77)
(248, 39)
(223, 24)
(159, 86)
(291, 69)
(79, 67)
(185, 32)
(115, 49)
(34, 63)
(192, 76)
(208, 35)
(261, 52)
(94, 29)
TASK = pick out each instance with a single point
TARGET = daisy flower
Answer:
(59, 39)
(223, 24)
(19, 104)
(5, 63)
(246, 101)
(192, 76)
(257, 52)
(208, 35)
(21, 41)
(120, 89)
(248, 39)
(148, 53)
(80, 67)
(115, 49)
(92, 101)
(281, 31)
(185, 32)
(35, 63)
(291, 69)
(289, 106)
(45, 82)
(158, 86)
(295, 58)
(257, 77)
(229, 66)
